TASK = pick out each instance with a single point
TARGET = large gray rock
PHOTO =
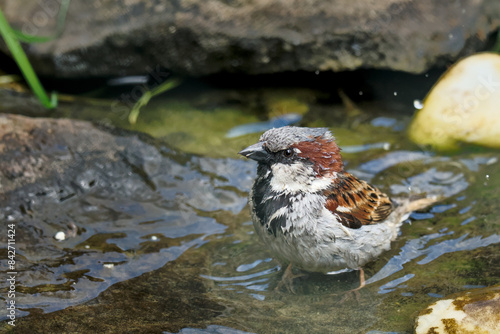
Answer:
(119, 37)
(90, 207)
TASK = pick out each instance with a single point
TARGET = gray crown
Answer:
(281, 138)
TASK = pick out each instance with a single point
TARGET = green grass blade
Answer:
(25, 38)
(24, 64)
(167, 85)
(144, 99)
(61, 19)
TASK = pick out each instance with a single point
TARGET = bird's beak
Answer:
(256, 152)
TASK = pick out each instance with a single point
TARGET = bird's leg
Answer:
(287, 279)
(355, 292)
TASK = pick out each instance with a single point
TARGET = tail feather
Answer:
(405, 206)
(412, 204)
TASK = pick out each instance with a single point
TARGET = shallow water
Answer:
(180, 250)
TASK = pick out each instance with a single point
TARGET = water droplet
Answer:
(154, 238)
(417, 104)
(395, 93)
(60, 236)
(487, 177)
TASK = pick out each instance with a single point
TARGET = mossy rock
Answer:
(473, 312)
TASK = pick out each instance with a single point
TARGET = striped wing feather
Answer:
(356, 203)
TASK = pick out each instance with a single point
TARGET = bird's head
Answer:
(297, 158)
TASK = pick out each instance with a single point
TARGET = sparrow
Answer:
(313, 214)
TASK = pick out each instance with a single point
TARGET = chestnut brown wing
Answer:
(356, 203)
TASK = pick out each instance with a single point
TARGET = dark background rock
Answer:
(109, 38)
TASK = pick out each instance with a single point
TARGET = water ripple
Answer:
(247, 267)
(242, 277)
(392, 285)
(417, 247)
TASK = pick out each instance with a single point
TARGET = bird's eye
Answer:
(288, 152)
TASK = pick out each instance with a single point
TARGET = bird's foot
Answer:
(349, 294)
(287, 280)
(355, 292)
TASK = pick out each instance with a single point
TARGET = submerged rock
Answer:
(125, 204)
(462, 106)
(477, 311)
(109, 38)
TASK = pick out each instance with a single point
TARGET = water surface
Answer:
(169, 246)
